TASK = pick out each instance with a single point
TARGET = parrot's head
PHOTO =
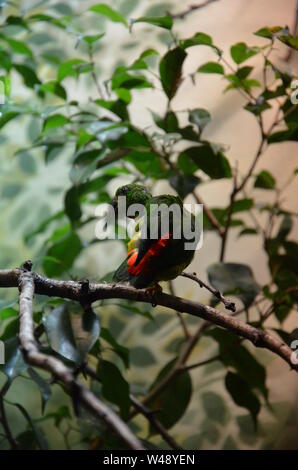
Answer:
(134, 194)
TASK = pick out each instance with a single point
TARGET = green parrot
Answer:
(154, 252)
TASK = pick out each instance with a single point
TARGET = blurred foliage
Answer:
(62, 159)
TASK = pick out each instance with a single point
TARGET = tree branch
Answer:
(155, 423)
(33, 356)
(191, 9)
(209, 214)
(73, 290)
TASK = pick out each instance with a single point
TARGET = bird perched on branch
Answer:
(159, 249)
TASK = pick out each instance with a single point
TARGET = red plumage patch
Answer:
(144, 264)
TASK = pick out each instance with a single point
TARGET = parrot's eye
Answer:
(122, 191)
(125, 190)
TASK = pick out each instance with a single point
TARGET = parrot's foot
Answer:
(153, 291)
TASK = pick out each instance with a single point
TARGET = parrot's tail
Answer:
(122, 274)
(126, 273)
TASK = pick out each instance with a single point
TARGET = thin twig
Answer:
(181, 15)
(155, 423)
(229, 305)
(203, 363)
(209, 214)
(93, 75)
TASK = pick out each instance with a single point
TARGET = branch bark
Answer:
(191, 9)
(229, 305)
(73, 290)
(64, 374)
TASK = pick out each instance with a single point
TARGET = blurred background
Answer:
(31, 191)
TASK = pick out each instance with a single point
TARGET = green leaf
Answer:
(234, 278)
(96, 185)
(242, 395)
(7, 312)
(71, 331)
(120, 350)
(258, 107)
(248, 231)
(240, 52)
(16, 21)
(211, 67)
(54, 121)
(72, 203)
(169, 123)
(265, 180)
(14, 362)
(55, 88)
(214, 406)
(108, 130)
(200, 117)
(186, 164)
(170, 69)
(122, 79)
(47, 19)
(61, 255)
(233, 354)
(6, 117)
(282, 34)
(114, 387)
(5, 80)
(243, 72)
(5, 61)
(108, 12)
(142, 356)
(210, 161)
(118, 107)
(268, 33)
(43, 225)
(28, 74)
(165, 22)
(26, 440)
(289, 40)
(285, 228)
(242, 205)
(199, 39)
(72, 68)
(83, 166)
(243, 83)
(172, 409)
(184, 184)
(60, 414)
(148, 163)
(41, 440)
(19, 47)
(43, 385)
(91, 39)
(283, 136)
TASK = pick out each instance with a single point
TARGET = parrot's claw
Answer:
(153, 292)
